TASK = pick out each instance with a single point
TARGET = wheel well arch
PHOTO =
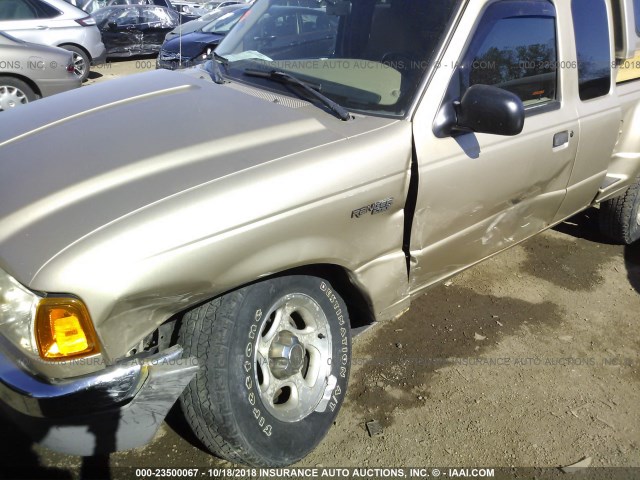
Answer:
(70, 44)
(26, 80)
(358, 303)
(361, 314)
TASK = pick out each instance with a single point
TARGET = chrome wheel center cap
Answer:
(286, 355)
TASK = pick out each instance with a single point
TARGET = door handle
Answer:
(561, 138)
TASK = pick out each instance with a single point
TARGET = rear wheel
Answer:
(14, 93)
(81, 62)
(275, 363)
(620, 217)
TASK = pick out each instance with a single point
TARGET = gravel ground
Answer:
(120, 68)
(543, 370)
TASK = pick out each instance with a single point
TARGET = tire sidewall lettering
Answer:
(337, 315)
(344, 340)
(225, 334)
(248, 366)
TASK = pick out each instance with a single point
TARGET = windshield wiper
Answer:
(283, 77)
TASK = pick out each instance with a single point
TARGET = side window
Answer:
(92, 6)
(126, 17)
(279, 25)
(308, 23)
(286, 25)
(44, 10)
(17, 10)
(636, 10)
(514, 48)
(317, 23)
(591, 27)
(148, 15)
(156, 15)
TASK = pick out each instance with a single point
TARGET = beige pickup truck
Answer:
(214, 237)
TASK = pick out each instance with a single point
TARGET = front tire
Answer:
(275, 360)
(619, 217)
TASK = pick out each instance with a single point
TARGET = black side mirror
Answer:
(488, 109)
(112, 25)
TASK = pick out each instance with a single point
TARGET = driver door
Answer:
(121, 34)
(478, 193)
(155, 23)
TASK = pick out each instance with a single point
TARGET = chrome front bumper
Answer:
(118, 408)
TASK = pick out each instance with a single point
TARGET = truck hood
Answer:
(76, 162)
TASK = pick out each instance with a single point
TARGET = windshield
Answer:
(366, 55)
(211, 16)
(224, 23)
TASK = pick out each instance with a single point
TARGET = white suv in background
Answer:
(55, 23)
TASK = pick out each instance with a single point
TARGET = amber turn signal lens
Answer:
(64, 329)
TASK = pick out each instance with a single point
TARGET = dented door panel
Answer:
(479, 194)
(482, 198)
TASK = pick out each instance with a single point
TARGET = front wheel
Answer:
(275, 360)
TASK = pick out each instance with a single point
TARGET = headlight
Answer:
(55, 328)
(17, 311)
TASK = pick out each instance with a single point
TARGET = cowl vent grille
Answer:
(268, 96)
